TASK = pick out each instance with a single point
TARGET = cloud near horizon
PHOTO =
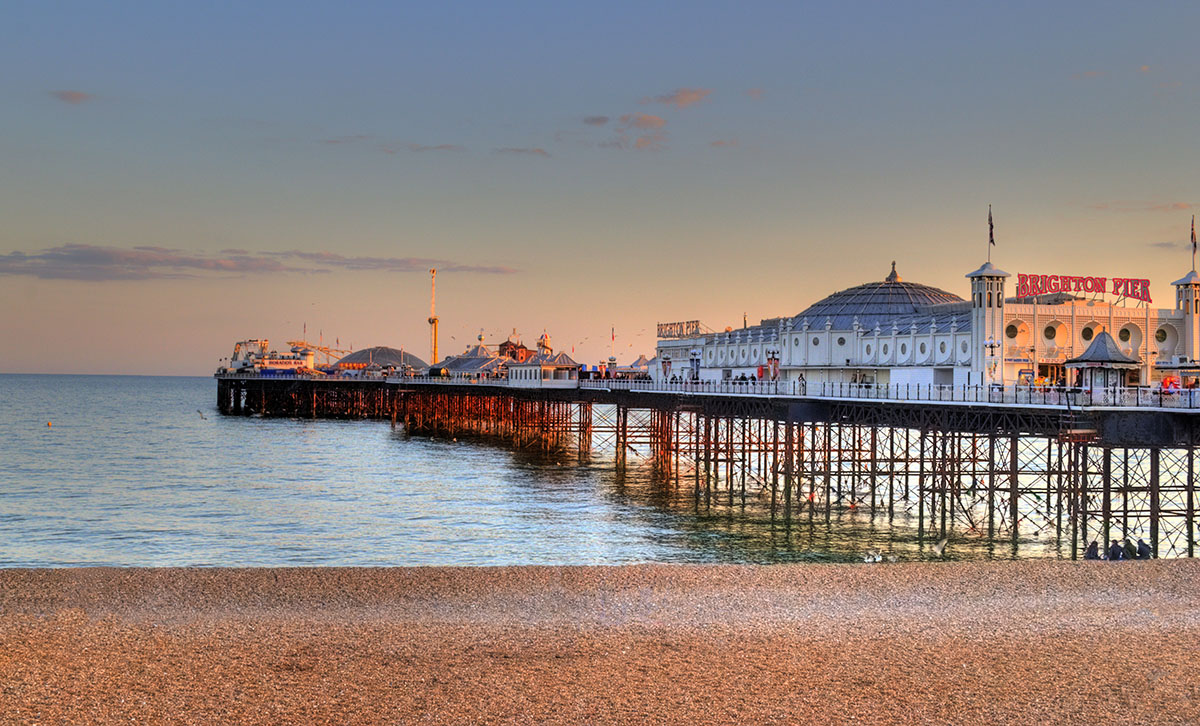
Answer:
(72, 97)
(680, 98)
(96, 263)
(1143, 206)
(595, 120)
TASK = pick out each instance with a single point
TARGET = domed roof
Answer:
(384, 356)
(875, 303)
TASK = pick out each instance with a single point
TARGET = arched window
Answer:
(989, 300)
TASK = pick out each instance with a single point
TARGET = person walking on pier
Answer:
(1115, 551)
(1093, 551)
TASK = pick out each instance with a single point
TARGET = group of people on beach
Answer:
(1117, 551)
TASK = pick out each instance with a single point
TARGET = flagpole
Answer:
(991, 234)
(1193, 243)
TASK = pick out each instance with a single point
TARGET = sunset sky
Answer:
(178, 176)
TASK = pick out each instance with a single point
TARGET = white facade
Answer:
(894, 332)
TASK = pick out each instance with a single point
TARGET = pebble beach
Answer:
(897, 643)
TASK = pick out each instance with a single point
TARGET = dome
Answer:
(875, 303)
(383, 356)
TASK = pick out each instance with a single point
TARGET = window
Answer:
(1049, 332)
(868, 350)
(1010, 332)
(885, 348)
(816, 342)
(841, 341)
(989, 300)
(903, 349)
(923, 349)
(1087, 333)
(1124, 335)
(942, 348)
(1161, 335)
(796, 342)
(964, 346)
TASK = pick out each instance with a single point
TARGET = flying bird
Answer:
(939, 549)
(202, 414)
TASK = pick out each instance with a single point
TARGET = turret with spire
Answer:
(1187, 298)
(987, 317)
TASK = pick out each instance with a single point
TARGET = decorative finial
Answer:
(892, 277)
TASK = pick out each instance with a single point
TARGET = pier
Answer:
(1007, 464)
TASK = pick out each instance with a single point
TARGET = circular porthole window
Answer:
(942, 348)
(923, 349)
(1010, 331)
(816, 342)
(1124, 335)
(796, 342)
(1049, 332)
(903, 349)
(1087, 333)
(868, 350)
(1161, 335)
(754, 352)
(841, 341)
(964, 346)
(885, 348)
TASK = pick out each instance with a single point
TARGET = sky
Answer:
(175, 177)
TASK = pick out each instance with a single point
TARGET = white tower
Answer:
(987, 324)
(1187, 298)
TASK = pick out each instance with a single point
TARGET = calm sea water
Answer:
(142, 471)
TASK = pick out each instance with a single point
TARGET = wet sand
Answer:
(994, 643)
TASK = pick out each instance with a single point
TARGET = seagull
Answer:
(873, 556)
(202, 414)
(893, 558)
(939, 549)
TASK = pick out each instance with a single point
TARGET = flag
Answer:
(991, 228)
(614, 334)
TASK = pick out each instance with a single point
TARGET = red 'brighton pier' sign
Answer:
(1030, 285)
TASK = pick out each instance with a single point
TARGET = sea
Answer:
(134, 471)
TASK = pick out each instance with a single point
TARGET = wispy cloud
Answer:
(72, 97)
(101, 263)
(680, 97)
(640, 131)
(595, 120)
(755, 93)
(1143, 206)
(642, 121)
(528, 151)
(1167, 245)
(720, 143)
(435, 147)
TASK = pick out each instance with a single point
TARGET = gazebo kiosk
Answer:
(1103, 365)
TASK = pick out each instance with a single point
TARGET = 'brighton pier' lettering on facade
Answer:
(1030, 285)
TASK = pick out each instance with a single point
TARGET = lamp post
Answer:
(991, 346)
(694, 359)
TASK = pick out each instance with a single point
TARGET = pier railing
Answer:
(1041, 396)
(1136, 397)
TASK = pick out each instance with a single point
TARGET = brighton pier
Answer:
(1011, 419)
